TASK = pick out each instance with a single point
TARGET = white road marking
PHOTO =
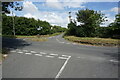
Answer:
(62, 68)
(33, 52)
(65, 55)
(49, 56)
(74, 43)
(38, 54)
(12, 51)
(20, 52)
(59, 41)
(54, 54)
(42, 53)
(114, 61)
(28, 53)
(62, 58)
(25, 50)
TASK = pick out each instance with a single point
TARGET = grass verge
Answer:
(33, 38)
(37, 39)
(55, 34)
(94, 41)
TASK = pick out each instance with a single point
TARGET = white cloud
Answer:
(61, 5)
(76, 0)
(54, 4)
(115, 9)
(54, 18)
(109, 19)
(29, 7)
(28, 15)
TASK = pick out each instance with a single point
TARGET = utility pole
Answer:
(13, 24)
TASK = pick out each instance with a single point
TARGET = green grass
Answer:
(94, 41)
(33, 38)
(55, 34)
(20, 36)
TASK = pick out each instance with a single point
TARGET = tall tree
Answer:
(91, 20)
(114, 28)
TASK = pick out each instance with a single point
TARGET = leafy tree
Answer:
(56, 29)
(14, 5)
(71, 29)
(28, 26)
(7, 25)
(91, 20)
(114, 28)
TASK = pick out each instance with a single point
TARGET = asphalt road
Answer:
(58, 58)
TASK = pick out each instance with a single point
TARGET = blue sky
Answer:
(56, 12)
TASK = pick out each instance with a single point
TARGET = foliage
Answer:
(71, 29)
(14, 5)
(90, 20)
(90, 26)
(114, 28)
(27, 26)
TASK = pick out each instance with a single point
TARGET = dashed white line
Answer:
(38, 54)
(42, 53)
(33, 52)
(62, 58)
(54, 54)
(62, 68)
(49, 56)
(25, 50)
(28, 53)
(20, 52)
(65, 55)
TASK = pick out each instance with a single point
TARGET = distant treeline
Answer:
(90, 25)
(27, 26)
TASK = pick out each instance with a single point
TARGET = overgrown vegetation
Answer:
(90, 25)
(93, 41)
(28, 26)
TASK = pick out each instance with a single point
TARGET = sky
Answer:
(56, 11)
